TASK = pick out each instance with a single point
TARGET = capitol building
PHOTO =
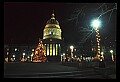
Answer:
(52, 41)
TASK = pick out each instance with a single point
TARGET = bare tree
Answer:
(99, 10)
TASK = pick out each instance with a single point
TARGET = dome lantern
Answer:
(53, 15)
(52, 20)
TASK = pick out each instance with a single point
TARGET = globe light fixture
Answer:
(111, 51)
(71, 47)
(96, 24)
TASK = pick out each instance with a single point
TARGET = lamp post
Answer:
(31, 56)
(111, 51)
(96, 25)
(71, 51)
(14, 57)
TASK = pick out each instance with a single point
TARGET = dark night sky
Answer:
(24, 22)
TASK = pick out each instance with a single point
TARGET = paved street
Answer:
(51, 70)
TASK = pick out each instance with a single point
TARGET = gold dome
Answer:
(52, 29)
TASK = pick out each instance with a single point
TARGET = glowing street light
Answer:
(71, 47)
(23, 54)
(13, 58)
(96, 24)
(13, 55)
(111, 51)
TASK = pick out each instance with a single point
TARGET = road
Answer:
(53, 70)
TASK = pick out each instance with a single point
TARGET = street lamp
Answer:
(96, 24)
(71, 51)
(14, 57)
(111, 51)
(31, 56)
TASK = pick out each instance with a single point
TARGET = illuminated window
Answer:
(56, 49)
(53, 49)
(45, 32)
(57, 33)
(50, 32)
(50, 49)
(53, 33)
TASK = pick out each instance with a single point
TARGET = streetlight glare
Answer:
(13, 55)
(71, 47)
(111, 51)
(96, 23)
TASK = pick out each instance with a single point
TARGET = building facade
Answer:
(52, 39)
(19, 53)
